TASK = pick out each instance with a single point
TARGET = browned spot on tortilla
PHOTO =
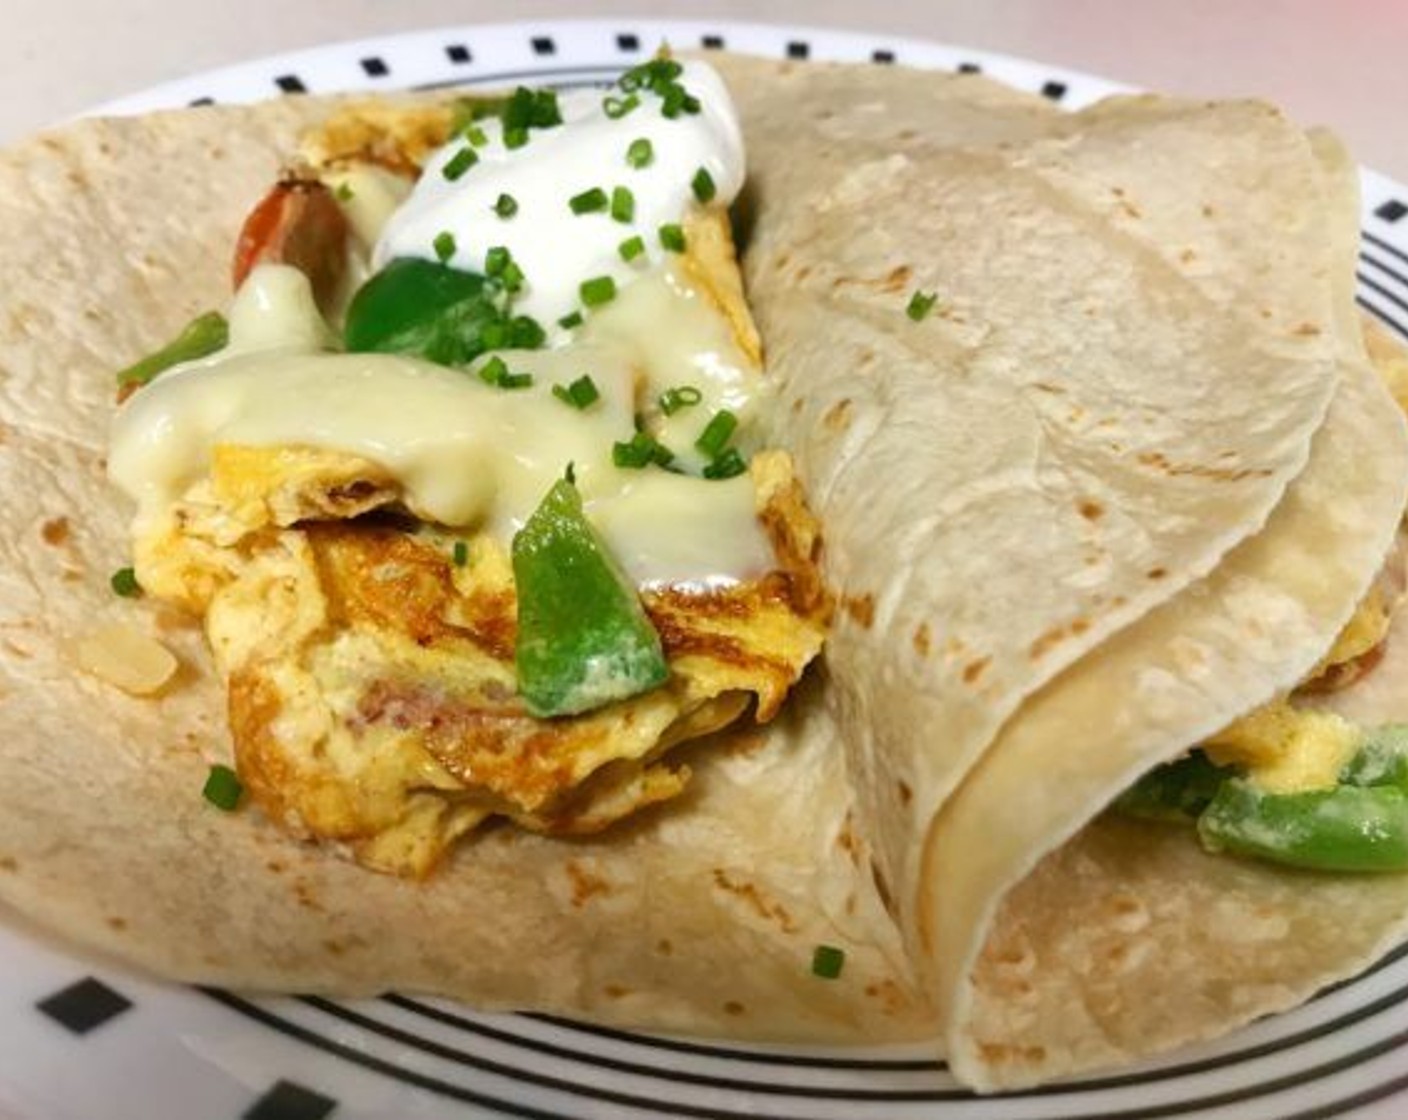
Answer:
(8, 863)
(861, 608)
(882, 888)
(1265, 312)
(975, 669)
(1118, 192)
(1000, 1053)
(71, 575)
(850, 904)
(1156, 573)
(922, 639)
(1130, 209)
(733, 1007)
(749, 893)
(838, 416)
(783, 258)
(1090, 509)
(1306, 330)
(1188, 256)
(664, 947)
(1208, 210)
(585, 885)
(55, 531)
(304, 893)
(796, 406)
(114, 922)
(19, 651)
(898, 278)
(906, 794)
(334, 947)
(803, 271)
(616, 991)
(1047, 387)
(745, 744)
(847, 840)
(275, 866)
(890, 995)
(1161, 463)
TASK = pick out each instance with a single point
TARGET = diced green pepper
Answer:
(1382, 760)
(1348, 828)
(1177, 791)
(424, 309)
(584, 640)
(202, 336)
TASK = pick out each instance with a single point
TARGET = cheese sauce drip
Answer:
(466, 454)
(556, 248)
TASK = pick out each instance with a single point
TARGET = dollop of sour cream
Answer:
(556, 248)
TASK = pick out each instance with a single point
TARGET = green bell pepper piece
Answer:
(1382, 760)
(424, 309)
(583, 637)
(1177, 791)
(1348, 828)
(201, 337)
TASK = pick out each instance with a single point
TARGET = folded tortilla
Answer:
(1109, 495)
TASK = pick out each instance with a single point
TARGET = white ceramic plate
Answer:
(82, 1038)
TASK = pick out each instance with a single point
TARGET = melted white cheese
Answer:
(555, 248)
(467, 454)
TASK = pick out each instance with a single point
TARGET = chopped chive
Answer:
(672, 237)
(512, 277)
(506, 206)
(703, 186)
(617, 107)
(496, 260)
(598, 290)
(460, 554)
(827, 961)
(640, 452)
(588, 202)
(526, 333)
(515, 381)
(640, 153)
(683, 396)
(631, 248)
(623, 204)
(571, 320)
(124, 583)
(716, 434)
(673, 102)
(459, 163)
(344, 192)
(476, 135)
(493, 371)
(515, 138)
(581, 394)
(570, 474)
(223, 788)
(444, 246)
(920, 304)
(727, 465)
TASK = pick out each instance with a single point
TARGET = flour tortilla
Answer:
(960, 505)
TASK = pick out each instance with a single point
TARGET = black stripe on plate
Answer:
(368, 1061)
(1382, 292)
(739, 1054)
(969, 68)
(882, 56)
(1382, 316)
(290, 83)
(545, 1081)
(637, 1068)
(712, 42)
(1344, 1104)
(798, 49)
(1382, 266)
(1388, 247)
(1387, 961)
(198, 102)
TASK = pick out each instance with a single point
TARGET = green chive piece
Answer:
(344, 192)
(703, 186)
(459, 163)
(617, 107)
(827, 961)
(641, 153)
(598, 290)
(515, 381)
(588, 202)
(640, 452)
(444, 246)
(581, 394)
(920, 304)
(506, 206)
(623, 204)
(515, 138)
(493, 371)
(124, 583)
(716, 434)
(460, 554)
(526, 333)
(476, 135)
(673, 102)
(570, 321)
(201, 337)
(512, 277)
(223, 788)
(683, 396)
(496, 260)
(672, 237)
(727, 465)
(631, 248)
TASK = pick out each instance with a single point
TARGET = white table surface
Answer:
(1344, 63)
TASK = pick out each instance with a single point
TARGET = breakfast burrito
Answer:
(422, 574)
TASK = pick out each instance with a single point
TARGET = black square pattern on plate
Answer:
(290, 83)
(1392, 210)
(288, 1100)
(798, 49)
(458, 53)
(1054, 90)
(543, 44)
(375, 67)
(969, 68)
(712, 42)
(85, 1005)
(882, 56)
(197, 102)
(627, 42)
